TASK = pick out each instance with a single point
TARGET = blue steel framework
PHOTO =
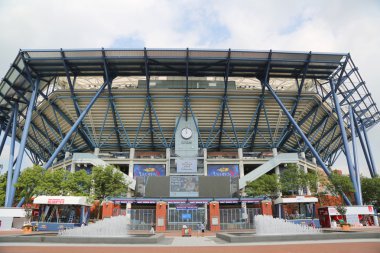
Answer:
(336, 82)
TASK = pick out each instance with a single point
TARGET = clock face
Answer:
(186, 133)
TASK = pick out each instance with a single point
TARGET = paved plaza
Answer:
(173, 242)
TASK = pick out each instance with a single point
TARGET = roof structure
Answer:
(69, 78)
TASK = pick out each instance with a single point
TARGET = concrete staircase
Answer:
(268, 166)
(96, 161)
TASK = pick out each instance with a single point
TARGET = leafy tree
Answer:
(29, 182)
(108, 181)
(266, 185)
(371, 191)
(293, 178)
(78, 183)
(3, 187)
(312, 179)
(54, 182)
(340, 183)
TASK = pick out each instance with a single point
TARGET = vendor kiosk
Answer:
(297, 209)
(61, 212)
(357, 216)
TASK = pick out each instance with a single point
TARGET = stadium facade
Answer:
(199, 124)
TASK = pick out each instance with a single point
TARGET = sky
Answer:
(320, 26)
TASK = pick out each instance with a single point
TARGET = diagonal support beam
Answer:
(24, 138)
(11, 154)
(299, 130)
(75, 125)
(345, 140)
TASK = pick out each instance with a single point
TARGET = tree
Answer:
(266, 185)
(28, 183)
(108, 181)
(54, 182)
(340, 183)
(292, 179)
(78, 183)
(371, 191)
(3, 187)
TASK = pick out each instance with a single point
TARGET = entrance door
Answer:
(189, 216)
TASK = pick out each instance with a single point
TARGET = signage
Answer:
(224, 170)
(145, 170)
(56, 201)
(186, 165)
(186, 207)
(184, 186)
(186, 216)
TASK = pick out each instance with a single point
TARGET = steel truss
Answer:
(328, 107)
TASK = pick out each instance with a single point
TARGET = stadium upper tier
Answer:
(221, 89)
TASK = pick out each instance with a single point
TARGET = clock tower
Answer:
(186, 138)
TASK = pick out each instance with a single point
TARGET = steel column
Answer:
(11, 156)
(299, 130)
(24, 138)
(5, 134)
(364, 148)
(75, 125)
(369, 149)
(345, 140)
(356, 164)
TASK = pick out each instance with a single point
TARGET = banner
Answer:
(186, 165)
(223, 170)
(184, 186)
(145, 170)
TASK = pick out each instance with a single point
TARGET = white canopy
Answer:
(62, 200)
(12, 212)
(297, 199)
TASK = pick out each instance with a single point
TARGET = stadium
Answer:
(188, 128)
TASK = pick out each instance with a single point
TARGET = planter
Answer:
(345, 227)
(27, 229)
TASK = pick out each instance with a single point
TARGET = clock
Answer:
(186, 133)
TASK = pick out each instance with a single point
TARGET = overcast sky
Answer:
(325, 26)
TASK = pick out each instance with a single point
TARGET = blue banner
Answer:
(224, 170)
(146, 170)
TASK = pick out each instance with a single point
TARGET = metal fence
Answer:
(232, 218)
(190, 218)
(141, 219)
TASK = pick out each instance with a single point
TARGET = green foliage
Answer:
(28, 183)
(312, 182)
(3, 187)
(108, 181)
(340, 183)
(371, 191)
(266, 185)
(54, 182)
(292, 179)
(35, 180)
(341, 209)
(78, 183)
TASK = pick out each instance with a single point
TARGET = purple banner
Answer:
(224, 170)
(145, 170)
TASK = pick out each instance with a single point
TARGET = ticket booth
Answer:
(61, 212)
(357, 216)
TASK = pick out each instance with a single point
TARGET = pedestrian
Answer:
(203, 229)
(152, 230)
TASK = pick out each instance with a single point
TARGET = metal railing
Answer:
(232, 218)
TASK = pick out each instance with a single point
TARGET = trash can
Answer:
(186, 232)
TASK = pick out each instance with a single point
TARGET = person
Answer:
(203, 229)
(152, 230)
